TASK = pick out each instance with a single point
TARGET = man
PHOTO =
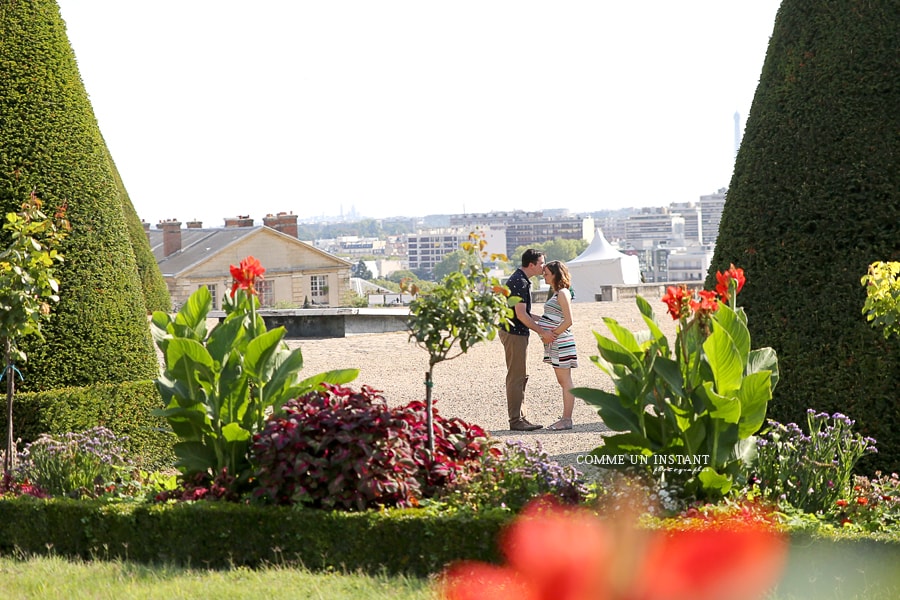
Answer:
(515, 341)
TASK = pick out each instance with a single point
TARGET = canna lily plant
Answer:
(219, 385)
(687, 413)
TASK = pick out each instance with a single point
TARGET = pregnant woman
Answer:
(560, 353)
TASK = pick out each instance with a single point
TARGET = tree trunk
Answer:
(10, 392)
(429, 418)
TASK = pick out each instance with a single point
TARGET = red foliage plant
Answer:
(347, 449)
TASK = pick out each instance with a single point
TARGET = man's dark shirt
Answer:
(519, 285)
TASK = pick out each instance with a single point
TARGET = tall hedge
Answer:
(813, 200)
(50, 142)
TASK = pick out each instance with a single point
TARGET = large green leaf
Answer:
(222, 339)
(233, 432)
(714, 482)
(260, 350)
(754, 396)
(614, 352)
(764, 359)
(670, 372)
(191, 319)
(194, 457)
(623, 336)
(629, 443)
(736, 328)
(727, 408)
(724, 360)
(188, 363)
(614, 415)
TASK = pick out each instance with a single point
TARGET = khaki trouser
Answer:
(516, 349)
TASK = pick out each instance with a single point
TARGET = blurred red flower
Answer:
(564, 553)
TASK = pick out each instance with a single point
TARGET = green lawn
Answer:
(56, 577)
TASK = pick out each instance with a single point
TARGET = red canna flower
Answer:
(708, 303)
(678, 300)
(723, 287)
(246, 274)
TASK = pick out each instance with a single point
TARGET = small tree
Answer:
(882, 305)
(27, 285)
(467, 307)
(361, 270)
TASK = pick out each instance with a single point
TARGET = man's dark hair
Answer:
(531, 256)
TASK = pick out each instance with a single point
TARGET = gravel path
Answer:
(472, 386)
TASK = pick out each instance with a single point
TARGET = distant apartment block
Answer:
(711, 207)
(527, 228)
(690, 212)
(425, 249)
(648, 228)
(689, 263)
(352, 246)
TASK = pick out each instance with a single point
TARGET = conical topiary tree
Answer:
(814, 199)
(50, 143)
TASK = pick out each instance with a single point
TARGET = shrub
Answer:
(345, 449)
(813, 200)
(123, 408)
(810, 472)
(513, 474)
(458, 447)
(871, 504)
(76, 464)
(333, 449)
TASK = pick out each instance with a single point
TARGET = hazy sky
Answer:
(214, 109)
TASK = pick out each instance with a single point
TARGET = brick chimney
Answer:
(283, 222)
(194, 224)
(171, 229)
(239, 221)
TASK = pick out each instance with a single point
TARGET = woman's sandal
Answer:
(561, 425)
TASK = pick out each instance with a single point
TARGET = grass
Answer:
(55, 577)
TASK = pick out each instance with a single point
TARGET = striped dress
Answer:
(561, 352)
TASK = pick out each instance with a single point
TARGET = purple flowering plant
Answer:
(810, 471)
(77, 464)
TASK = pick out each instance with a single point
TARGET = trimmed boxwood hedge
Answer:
(122, 408)
(223, 535)
(50, 143)
(814, 199)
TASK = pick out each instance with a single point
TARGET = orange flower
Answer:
(246, 274)
(862, 500)
(842, 502)
(723, 287)
(557, 553)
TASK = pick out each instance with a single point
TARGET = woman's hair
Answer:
(560, 274)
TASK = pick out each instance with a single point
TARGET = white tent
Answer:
(601, 265)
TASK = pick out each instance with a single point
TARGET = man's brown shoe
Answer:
(523, 425)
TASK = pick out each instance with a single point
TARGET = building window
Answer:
(318, 286)
(264, 289)
(212, 292)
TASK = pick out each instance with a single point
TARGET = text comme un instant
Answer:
(655, 460)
